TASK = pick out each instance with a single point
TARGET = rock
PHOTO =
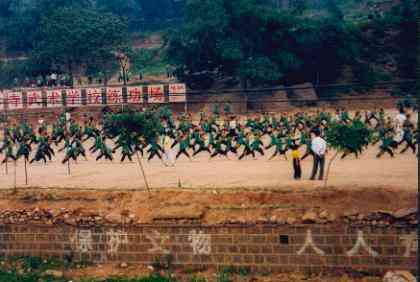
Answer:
(190, 212)
(404, 212)
(291, 220)
(324, 215)
(113, 218)
(399, 276)
(309, 217)
(332, 217)
(54, 273)
(261, 219)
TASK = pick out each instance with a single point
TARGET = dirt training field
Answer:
(367, 171)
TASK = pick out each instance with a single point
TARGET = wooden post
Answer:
(142, 171)
(329, 168)
(26, 173)
(14, 177)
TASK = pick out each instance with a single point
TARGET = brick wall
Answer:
(264, 248)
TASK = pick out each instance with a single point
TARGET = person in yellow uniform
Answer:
(168, 159)
(297, 170)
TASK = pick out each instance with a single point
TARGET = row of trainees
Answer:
(231, 141)
(216, 139)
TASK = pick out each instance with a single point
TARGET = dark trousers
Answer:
(319, 161)
(297, 169)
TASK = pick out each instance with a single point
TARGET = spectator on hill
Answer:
(53, 78)
(39, 81)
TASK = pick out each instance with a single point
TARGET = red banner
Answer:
(34, 99)
(14, 100)
(135, 95)
(114, 96)
(94, 96)
(156, 94)
(73, 97)
(54, 99)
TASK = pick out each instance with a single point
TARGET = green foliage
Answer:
(128, 9)
(145, 125)
(258, 45)
(148, 61)
(195, 278)
(32, 269)
(72, 38)
(353, 137)
(224, 275)
(165, 113)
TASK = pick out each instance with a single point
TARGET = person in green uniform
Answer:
(202, 142)
(387, 145)
(154, 150)
(279, 146)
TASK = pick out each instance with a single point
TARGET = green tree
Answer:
(73, 38)
(131, 127)
(258, 45)
(350, 138)
(128, 9)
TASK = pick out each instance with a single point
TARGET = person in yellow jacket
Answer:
(297, 169)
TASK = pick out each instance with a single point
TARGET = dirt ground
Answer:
(209, 207)
(218, 190)
(400, 173)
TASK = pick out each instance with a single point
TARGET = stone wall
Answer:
(261, 248)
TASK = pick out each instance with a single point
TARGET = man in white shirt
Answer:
(398, 126)
(400, 118)
(319, 149)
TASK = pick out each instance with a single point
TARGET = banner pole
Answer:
(186, 104)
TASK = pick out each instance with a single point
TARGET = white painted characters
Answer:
(82, 241)
(158, 242)
(116, 240)
(410, 242)
(200, 242)
(361, 243)
(309, 243)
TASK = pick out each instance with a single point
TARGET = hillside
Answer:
(245, 43)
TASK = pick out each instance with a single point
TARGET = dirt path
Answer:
(400, 173)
